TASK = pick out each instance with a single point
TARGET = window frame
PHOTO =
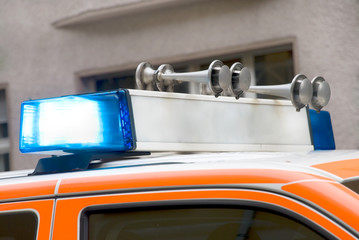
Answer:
(27, 210)
(69, 207)
(225, 203)
(178, 61)
(5, 142)
(44, 208)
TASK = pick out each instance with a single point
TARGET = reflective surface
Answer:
(18, 225)
(196, 223)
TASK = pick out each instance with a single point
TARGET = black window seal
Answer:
(200, 203)
(34, 212)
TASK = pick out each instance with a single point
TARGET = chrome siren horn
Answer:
(218, 76)
(321, 93)
(144, 75)
(241, 79)
(300, 91)
(161, 83)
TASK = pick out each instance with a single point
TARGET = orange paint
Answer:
(344, 169)
(42, 207)
(69, 210)
(29, 189)
(333, 197)
(180, 178)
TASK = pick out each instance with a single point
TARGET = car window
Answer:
(196, 223)
(353, 185)
(18, 225)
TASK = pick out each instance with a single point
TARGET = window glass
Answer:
(197, 224)
(113, 81)
(4, 162)
(4, 130)
(110, 81)
(3, 114)
(268, 66)
(273, 68)
(18, 225)
(4, 135)
(353, 185)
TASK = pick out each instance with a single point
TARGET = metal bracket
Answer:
(78, 161)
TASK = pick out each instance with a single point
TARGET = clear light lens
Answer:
(56, 127)
(99, 121)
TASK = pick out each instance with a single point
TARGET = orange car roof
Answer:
(334, 165)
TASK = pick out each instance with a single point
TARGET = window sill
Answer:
(99, 14)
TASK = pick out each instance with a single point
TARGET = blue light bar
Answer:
(89, 122)
(322, 131)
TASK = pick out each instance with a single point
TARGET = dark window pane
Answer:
(3, 114)
(124, 82)
(274, 68)
(18, 225)
(114, 81)
(353, 185)
(101, 85)
(108, 82)
(181, 86)
(3, 130)
(196, 223)
(230, 62)
(4, 162)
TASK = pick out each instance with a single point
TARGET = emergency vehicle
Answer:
(137, 164)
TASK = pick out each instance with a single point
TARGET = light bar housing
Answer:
(137, 120)
(88, 122)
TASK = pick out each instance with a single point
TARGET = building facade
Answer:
(53, 48)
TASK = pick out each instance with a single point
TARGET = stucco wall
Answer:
(38, 60)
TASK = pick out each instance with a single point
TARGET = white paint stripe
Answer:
(351, 179)
(57, 187)
(53, 219)
(310, 180)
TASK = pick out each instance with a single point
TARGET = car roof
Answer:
(161, 170)
(338, 165)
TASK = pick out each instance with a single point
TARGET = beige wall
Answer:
(39, 60)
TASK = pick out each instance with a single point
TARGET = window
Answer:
(4, 162)
(116, 80)
(273, 68)
(268, 67)
(4, 137)
(192, 223)
(352, 185)
(18, 225)
(110, 81)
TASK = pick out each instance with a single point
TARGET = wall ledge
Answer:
(103, 13)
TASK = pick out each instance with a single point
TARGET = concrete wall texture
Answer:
(38, 60)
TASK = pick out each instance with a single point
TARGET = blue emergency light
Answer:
(322, 130)
(105, 122)
(89, 122)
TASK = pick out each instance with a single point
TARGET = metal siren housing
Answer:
(299, 91)
(137, 120)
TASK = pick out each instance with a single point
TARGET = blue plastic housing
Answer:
(322, 131)
(78, 123)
